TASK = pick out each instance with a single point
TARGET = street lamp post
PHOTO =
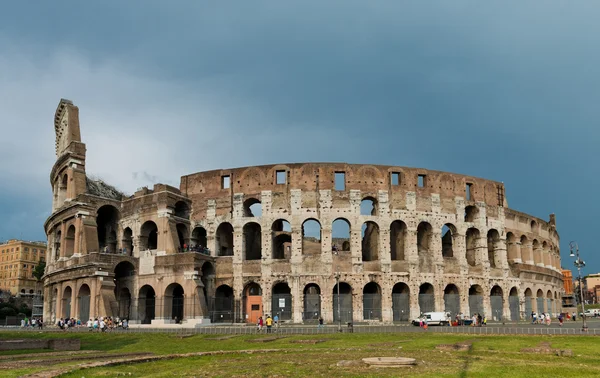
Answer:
(337, 285)
(579, 263)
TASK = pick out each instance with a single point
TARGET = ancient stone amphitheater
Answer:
(360, 243)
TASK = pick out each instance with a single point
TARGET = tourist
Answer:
(269, 323)
(90, 325)
(548, 320)
(259, 323)
(533, 317)
(541, 318)
(276, 320)
(125, 324)
(320, 322)
(574, 316)
(560, 320)
(102, 325)
(96, 324)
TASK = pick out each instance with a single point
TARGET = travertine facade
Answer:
(400, 241)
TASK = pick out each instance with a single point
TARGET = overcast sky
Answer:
(508, 93)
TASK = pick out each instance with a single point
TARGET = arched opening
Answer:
(208, 280)
(424, 235)
(372, 301)
(471, 213)
(340, 231)
(198, 240)
(252, 208)
(343, 311)
(183, 237)
(312, 302)
(401, 302)
(370, 241)
(534, 226)
(549, 302)
(512, 248)
(540, 301)
(221, 310)
(513, 304)
(124, 278)
(452, 300)
(281, 234)
(537, 252)
(311, 237)
(529, 302)
(426, 298)
(224, 239)
(526, 252)
(124, 303)
(146, 304)
(127, 242)
(107, 222)
(182, 210)
(70, 241)
(397, 240)
(252, 302)
(493, 243)
(252, 241)
(66, 305)
(448, 232)
(62, 189)
(497, 302)
(84, 302)
(148, 236)
(476, 299)
(368, 206)
(174, 302)
(472, 242)
(57, 239)
(282, 301)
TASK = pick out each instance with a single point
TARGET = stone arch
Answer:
(526, 251)
(66, 305)
(493, 244)
(182, 210)
(426, 298)
(534, 226)
(70, 241)
(221, 307)
(401, 302)
(448, 232)
(372, 301)
(199, 239)
(282, 301)
(513, 304)
(424, 244)
(472, 243)
(57, 242)
(123, 297)
(369, 206)
(452, 300)
(107, 223)
(183, 237)
(497, 302)
(340, 235)
(252, 246)
(311, 237)
(127, 242)
(252, 207)
(529, 302)
(370, 241)
(281, 235)
(146, 304)
(512, 248)
(312, 302)
(537, 252)
(471, 213)
(83, 299)
(252, 299)
(148, 236)
(540, 301)
(549, 302)
(174, 302)
(343, 312)
(398, 231)
(224, 239)
(476, 299)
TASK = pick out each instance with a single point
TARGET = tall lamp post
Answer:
(337, 285)
(579, 263)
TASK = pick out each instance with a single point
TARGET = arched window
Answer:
(148, 236)
(127, 242)
(183, 237)
(224, 239)
(252, 208)
(182, 210)
(368, 206)
(370, 241)
(397, 240)
(107, 222)
(311, 237)
(340, 230)
(252, 241)
(70, 241)
(493, 242)
(198, 239)
(281, 234)
(472, 241)
(471, 213)
(448, 232)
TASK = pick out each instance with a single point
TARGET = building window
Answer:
(225, 182)
(27, 249)
(395, 178)
(340, 181)
(280, 177)
(468, 191)
(422, 181)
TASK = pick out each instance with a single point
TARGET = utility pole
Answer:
(579, 263)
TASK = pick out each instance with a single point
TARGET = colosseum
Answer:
(348, 242)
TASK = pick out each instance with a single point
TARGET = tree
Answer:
(38, 271)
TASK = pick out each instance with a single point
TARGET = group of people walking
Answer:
(268, 322)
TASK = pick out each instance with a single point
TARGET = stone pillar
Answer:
(537, 255)
(326, 252)
(297, 300)
(415, 311)
(357, 304)
(459, 246)
(387, 314)
(500, 252)
(74, 301)
(356, 248)
(506, 302)
(527, 253)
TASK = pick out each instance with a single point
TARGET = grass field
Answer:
(489, 356)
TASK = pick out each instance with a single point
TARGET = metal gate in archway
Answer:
(426, 303)
(540, 305)
(312, 307)
(513, 304)
(528, 307)
(549, 308)
(84, 308)
(452, 304)
(401, 307)
(372, 306)
(281, 305)
(497, 304)
(476, 304)
(345, 301)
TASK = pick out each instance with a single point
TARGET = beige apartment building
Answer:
(18, 260)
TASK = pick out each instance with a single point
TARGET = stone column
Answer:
(415, 311)
(297, 300)
(387, 314)
(356, 248)
(527, 253)
(326, 252)
(500, 251)
(74, 301)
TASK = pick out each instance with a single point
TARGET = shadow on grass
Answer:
(467, 359)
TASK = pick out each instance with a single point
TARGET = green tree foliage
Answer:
(38, 271)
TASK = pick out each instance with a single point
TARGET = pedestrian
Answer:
(259, 324)
(320, 322)
(574, 316)
(102, 325)
(276, 321)
(548, 320)
(269, 323)
(90, 325)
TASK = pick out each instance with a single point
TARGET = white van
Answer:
(433, 318)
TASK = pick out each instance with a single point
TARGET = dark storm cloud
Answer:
(503, 91)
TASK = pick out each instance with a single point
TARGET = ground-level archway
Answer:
(426, 298)
(528, 302)
(497, 302)
(221, 307)
(66, 305)
(476, 300)
(252, 302)
(342, 303)
(174, 302)
(312, 303)
(401, 302)
(372, 301)
(146, 304)
(452, 300)
(83, 299)
(281, 304)
(513, 304)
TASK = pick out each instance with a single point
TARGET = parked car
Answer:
(433, 318)
(590, 312)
